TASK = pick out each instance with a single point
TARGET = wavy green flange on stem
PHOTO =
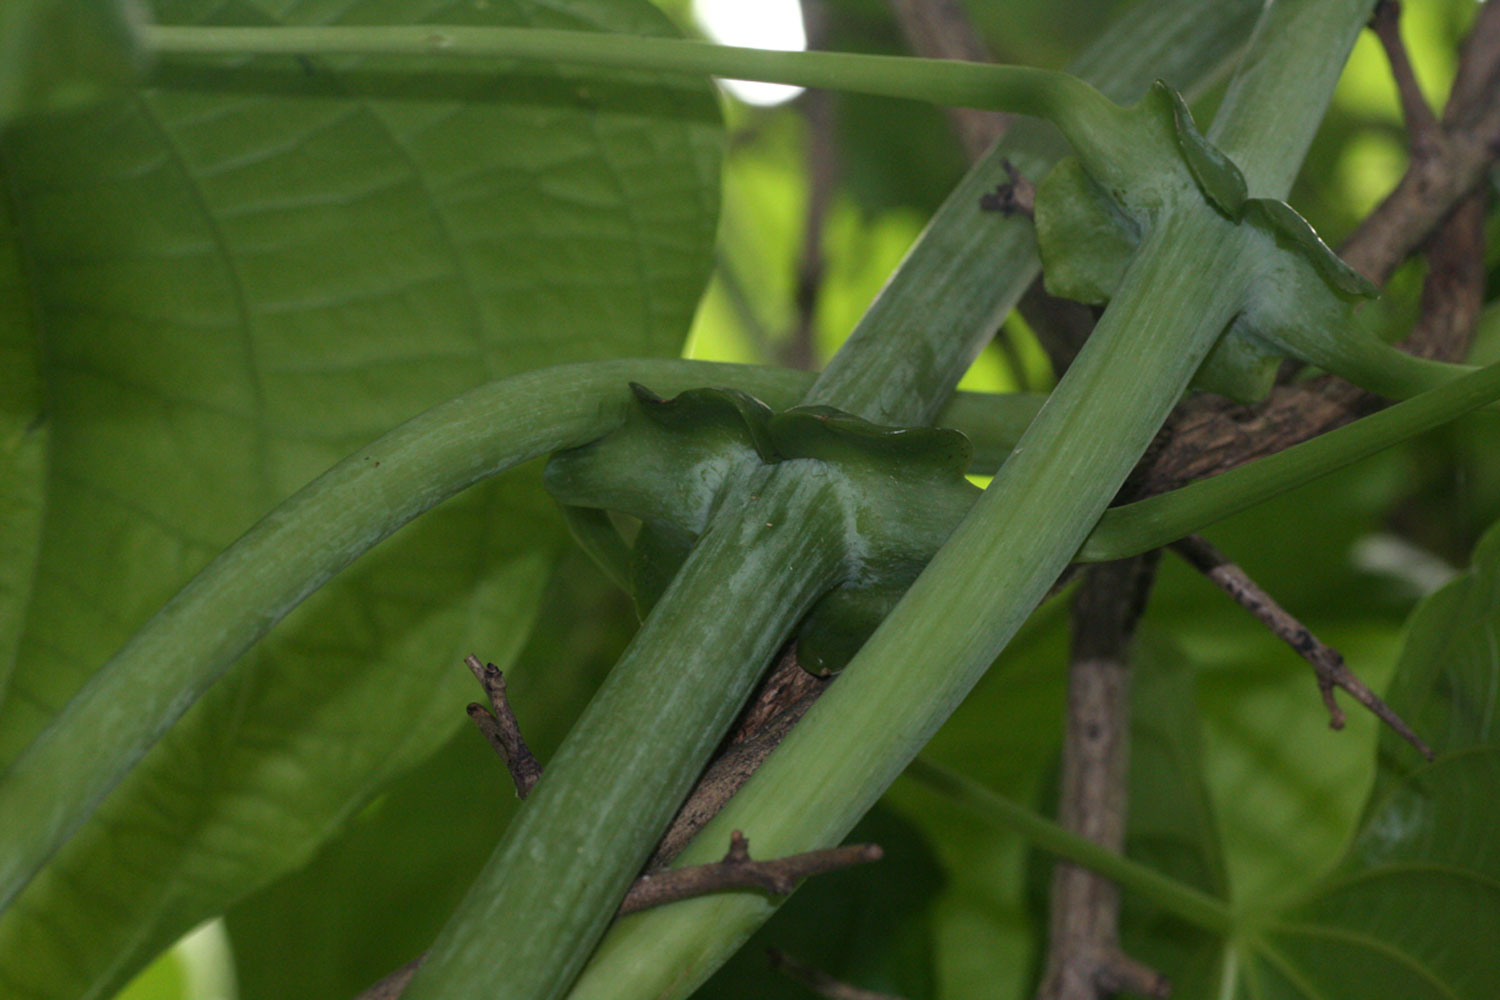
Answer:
(949, 275)
(102, 732)
(1175, 298)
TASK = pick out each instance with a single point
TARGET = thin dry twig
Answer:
(819, 981)
(1328, 665)
(1084, 961)
(738, 871)
(785, 695)
(1422, 128)
(500, 728)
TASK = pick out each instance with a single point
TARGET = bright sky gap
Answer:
(763, 24)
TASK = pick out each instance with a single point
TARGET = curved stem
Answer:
(985, 580)
(1370, 363)
(1089, 120)
(102, 732)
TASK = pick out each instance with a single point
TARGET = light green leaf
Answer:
(58, 54)
(236, 285)
(1414, 909)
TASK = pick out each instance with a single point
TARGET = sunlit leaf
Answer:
(236, 287)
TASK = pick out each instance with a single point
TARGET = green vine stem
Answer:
(545, 938)
(60, 779)
(596, 400)
(1193, 905)
(1176, 296)
(1147, 524)
(1090, 121)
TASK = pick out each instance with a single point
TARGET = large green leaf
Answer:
(57, 54)
(1414, 912)
(301, 939)
(1447, 684)
(240, 276)
(1412, 907)
(23, 445)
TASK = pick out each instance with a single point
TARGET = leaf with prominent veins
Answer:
(229, 289)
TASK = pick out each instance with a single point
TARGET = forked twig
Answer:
(1328, 665)
(500, 728)
(738, 871)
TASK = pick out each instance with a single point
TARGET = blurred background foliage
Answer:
(954, 911)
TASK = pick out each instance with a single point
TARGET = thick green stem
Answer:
(1262, 123)
(1181, 289)
(1193, 905)
(1148, 524)
(61, 778)
(966, 605)
(551, 887)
